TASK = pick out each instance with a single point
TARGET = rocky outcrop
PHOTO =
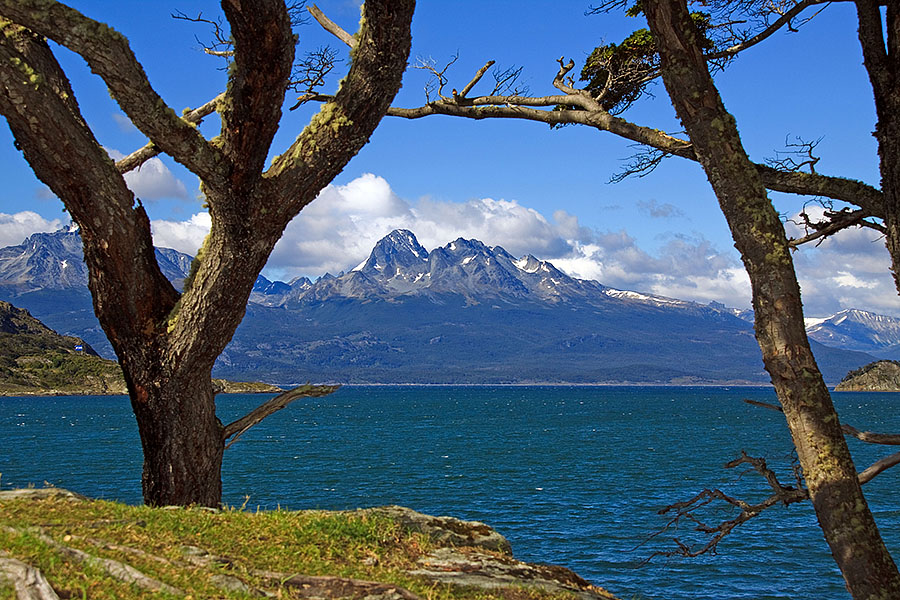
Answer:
(472, 568)
(40, 494)
(473, 554)
(223, 386)
(466, 554)
(446, 531)
(37, 361)
(880, 376)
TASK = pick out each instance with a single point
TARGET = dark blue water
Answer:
(572, 476)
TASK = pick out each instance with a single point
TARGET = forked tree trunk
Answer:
(845, 518)
(167, 343)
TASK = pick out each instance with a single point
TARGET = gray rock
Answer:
(471, 568)
(29, 583)
(446, 531)
(40, 494)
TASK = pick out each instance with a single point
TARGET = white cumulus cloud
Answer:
(850, 269)
(153, 180)
(16, 227)
(184, 236)
(338, 230)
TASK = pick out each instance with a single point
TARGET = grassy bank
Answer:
(231, 553)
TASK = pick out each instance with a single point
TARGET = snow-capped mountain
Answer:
(399, 266)
(461, 313)
(55, 261)
(854, 329)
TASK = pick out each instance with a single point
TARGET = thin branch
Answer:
(640, 164)
(505, 82)
(330, 26)
(559, 81)
(687, 510)
(109, 55)
(309, 73)
(785, 161)
(887, 439)
(438, 75)
(142, 155)
(468, 87)
(580, 108)
(222, 44)
(834, 222)
(785, 19)
(237, 428)
(774, 407)
(879, 467)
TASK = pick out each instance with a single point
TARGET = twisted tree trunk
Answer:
(830, 474)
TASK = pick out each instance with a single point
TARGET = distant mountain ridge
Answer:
(55, 261)
(461, 313)
(859, 330)
(399, 266)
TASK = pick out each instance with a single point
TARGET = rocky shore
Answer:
(421, 552)
(880, 376)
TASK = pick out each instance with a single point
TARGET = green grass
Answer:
(356, 545)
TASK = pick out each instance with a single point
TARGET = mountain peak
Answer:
(858, 330)
(396, 252)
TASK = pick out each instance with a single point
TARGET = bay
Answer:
(571, 475)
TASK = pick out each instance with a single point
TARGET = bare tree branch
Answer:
(478, 75)
(309, 73)
(142, 155)
(785, 161)
(785, 20)
(783, 494)
(505, 82)
(640, 164)
(222, 45)
(331, 27)
(879, 466)
(576, 106)
(561, 82)
(438, 76)
(109, 55)
(237, 428)
(887, 439)
(834, 222)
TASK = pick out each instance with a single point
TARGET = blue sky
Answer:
(512, 183)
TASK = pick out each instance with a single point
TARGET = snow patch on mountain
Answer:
(855, 329)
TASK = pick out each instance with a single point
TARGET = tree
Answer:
(828, 470)
(881, 58)
(678, 47)
(167, 341)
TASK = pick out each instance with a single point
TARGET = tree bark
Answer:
(168, 342)
(830, 474)
(882, 62)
